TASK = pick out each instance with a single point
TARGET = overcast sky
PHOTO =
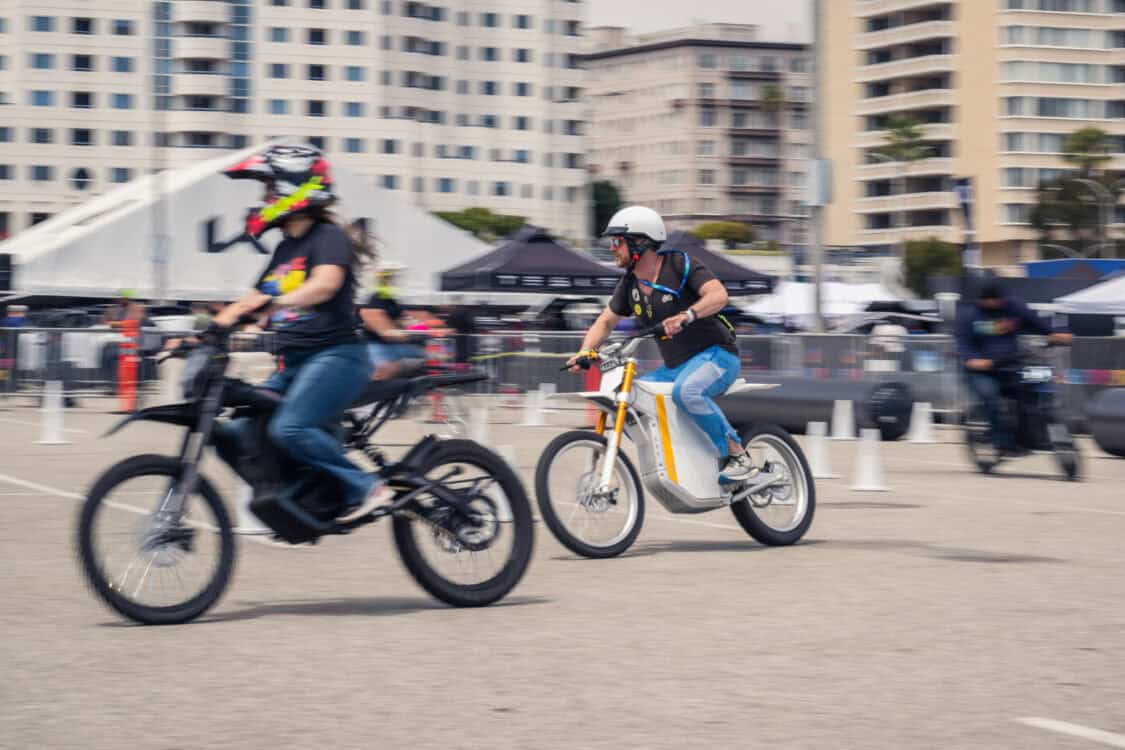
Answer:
(780, 20)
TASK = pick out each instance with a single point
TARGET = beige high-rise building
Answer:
(456, 103)
(997, 85)
(703, 123)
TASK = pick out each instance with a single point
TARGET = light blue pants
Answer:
(698, 382)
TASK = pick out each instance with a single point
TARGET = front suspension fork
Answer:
(613, 444)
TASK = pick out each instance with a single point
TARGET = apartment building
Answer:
(458, 103)
(996, 84)
(703, 123)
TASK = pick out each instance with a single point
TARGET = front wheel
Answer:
(148, 562)
(782, 512)
(585, 520)
(468, 562)
(979, 440)
(1065, 449)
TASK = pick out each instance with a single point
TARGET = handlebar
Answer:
(586, 362)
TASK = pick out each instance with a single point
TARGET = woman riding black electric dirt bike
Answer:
(288, 438)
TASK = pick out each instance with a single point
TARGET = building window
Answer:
(316, 108)
(708, 60)
(521, 123)
(419, 185)
(354, 73)
(1017, 213)
(81, 178)
(521, 156)
(390, 182)
(42, 61)
(318, 4)
(279, 3)
(82, 25)
(707, 91)
(353, 109)
(489, 54)
(354, 38)
(316, 36)
(522, 21)
(501, 189)
(120, 174)
(122, 138)
(42, 173)
(491, 20)
(81, 99)
(488, 121)
(279, 106)
(318, 141)
(5, 134)
(708, 118)
(6, 171)
(122, 27)
(82, 137)
(355, 5)
(121, 101)
(445, 185)
(705, 148)
(706, 177)
(488, 88)
(354, 145)
(522, 55)
(122, 65)
(42, 23)
(278, 70)
(521, 89)
(42, 135)
(279, 34)
(317, 73)
(388, 146)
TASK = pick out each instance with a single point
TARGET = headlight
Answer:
(194, 377)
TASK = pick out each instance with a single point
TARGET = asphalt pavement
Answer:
(953, 611)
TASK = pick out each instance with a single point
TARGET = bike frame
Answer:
(678, 463)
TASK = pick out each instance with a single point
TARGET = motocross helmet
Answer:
(299, 179)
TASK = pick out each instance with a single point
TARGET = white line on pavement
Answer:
(1075, 730)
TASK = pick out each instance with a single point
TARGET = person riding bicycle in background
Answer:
(988, 331)
(307, 290)
(386, 325)
(670, 288)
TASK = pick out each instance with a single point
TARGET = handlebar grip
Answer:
(584, 362)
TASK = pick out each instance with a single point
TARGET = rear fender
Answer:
(183, 414)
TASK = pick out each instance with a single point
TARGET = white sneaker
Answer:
(381, 495)
(738, 469)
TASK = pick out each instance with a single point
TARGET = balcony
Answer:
(208, 11)
(891, 235)
(758, 131)
(938, 131)
(754, 189)
(915, 32)
(911, 100)
(907, 67)
(202, 121)
(200, 84)
(754, 75)
(201, 47)
(890, 171)
(909, 202)
(882, 7)
(753, 161)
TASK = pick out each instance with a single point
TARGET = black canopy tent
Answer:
(532, 261)
(739, 280)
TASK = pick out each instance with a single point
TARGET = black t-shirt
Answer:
(319, 326)
(629, 299)
(390, 306)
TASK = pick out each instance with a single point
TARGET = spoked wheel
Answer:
(978, 439)
(468, 562)
(1066, 450)
(151, 565)
(781, 513)
(588, 520)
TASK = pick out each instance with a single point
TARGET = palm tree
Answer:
(772, 100)
(903, 143)
(1088, 149)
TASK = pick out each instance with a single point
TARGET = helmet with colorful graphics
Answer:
(297, 179)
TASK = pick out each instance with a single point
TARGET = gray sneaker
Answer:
(738, 469)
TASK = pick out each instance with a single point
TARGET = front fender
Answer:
(183, 414)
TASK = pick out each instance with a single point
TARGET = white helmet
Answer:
(637, 221)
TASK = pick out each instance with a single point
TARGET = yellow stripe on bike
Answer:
(666, 439)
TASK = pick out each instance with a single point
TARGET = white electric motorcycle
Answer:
(592, 498)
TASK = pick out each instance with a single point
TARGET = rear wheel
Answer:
(152, 565)
(468, 562)
(781, 513)
(585, 521)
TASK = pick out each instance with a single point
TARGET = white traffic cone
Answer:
(820, 461)
(533, 409)
(843, 420)
(921, 423)
(248, 524)
(51, 432)
(868, 464)
(478, 429)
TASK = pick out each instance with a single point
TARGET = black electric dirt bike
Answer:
(1029, 408)
(461, 517)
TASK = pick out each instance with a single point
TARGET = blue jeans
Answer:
(698, 382)
(986, 389)
(318, 386)
(382, 353)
